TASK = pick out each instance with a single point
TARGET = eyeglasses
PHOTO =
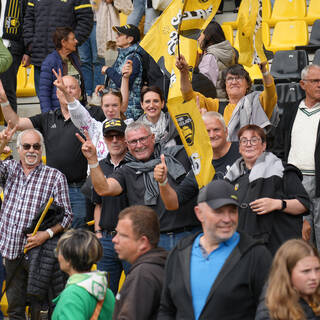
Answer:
(142, 140)
(253, 141)
(312, 81)
(235, 78)
(27, 146)
(110, 137)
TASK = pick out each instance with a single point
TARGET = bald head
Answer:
(73, 88)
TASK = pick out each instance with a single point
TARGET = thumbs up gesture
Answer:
(160, 170)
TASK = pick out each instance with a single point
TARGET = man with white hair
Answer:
(63, 149)
(297, 143)
(27, 185)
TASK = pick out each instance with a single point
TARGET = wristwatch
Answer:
(284, 205)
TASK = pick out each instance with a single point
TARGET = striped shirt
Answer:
(23, 197)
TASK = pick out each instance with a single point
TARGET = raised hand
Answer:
(127, 69)
(160, 170)
(88, 149)
(7, 133)
(181, 63)
(59, 81)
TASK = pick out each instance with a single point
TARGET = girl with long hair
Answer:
(293, 291)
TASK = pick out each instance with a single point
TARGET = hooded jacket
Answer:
(268, 178)
(235, 292)
(225, 57)
(139, 297)
(79, 299)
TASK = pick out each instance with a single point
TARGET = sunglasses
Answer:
(27, 146)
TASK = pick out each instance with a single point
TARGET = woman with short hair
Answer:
(65, 58)
(292, 291)
(86, 292)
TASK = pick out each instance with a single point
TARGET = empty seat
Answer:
(313, 11)
(288, 93)
(244, 5)
(289, 34)
(284, 10)
(287, 65)
(316, 58)
(315, 33)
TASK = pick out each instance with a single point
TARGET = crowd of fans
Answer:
(243, 247)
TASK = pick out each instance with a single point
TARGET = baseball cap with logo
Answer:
(218, 193)
(114, 125)
(129, 30)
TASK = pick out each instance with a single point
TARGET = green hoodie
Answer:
(79, 298)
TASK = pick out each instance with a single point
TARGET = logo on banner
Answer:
(186, 125)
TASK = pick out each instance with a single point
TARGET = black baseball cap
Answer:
(114, 125)
(129, 30)
(218, 193)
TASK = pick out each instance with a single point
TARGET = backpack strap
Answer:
(222, 106)
(97, 310)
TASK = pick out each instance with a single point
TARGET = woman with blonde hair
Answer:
(292, 291)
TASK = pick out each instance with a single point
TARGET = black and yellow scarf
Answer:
(13, 20)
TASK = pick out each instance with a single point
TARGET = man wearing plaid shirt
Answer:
(28, 184)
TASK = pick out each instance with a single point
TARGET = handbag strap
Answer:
(97, 310)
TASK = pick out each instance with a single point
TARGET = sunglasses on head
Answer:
(27, 146)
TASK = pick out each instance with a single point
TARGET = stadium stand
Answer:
(313, 11)
(287, 65)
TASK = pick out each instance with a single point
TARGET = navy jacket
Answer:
(48, 97)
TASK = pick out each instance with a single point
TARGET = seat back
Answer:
(289, 34)
(315, 33)
(316, 58)
(288, 64)
(288, 93)
(288, 10)
(313, 11)
(266, 9)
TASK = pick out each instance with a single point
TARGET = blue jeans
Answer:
(91, 64)
(78, 206)
(139, 8)
(111, 263)
(169, 240)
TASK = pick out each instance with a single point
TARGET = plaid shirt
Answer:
(23, 196)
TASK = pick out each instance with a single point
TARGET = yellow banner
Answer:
(189, 18)
(194, 136)
(250, 33)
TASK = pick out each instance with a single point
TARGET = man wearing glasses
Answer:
(63, 150)
(271, 197)
(297, 143)
(28, 185)
(136, 180)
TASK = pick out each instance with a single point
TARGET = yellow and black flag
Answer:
(182, 23)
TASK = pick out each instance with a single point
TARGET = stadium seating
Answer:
(284, 10)
(287, 65)
(315, 33)
(316, 58)
(228, 32)
(313, 11)
(287, 35)
(266, 12)
(288, 93)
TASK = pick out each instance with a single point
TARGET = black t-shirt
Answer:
(110, 205)
(63, 149)
(133, 186)
(189, 187)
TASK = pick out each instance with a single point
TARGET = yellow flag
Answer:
(194, 136)
(250, 33)
(188, 18)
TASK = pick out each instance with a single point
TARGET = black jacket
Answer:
(43, 17)
(263, 312)
(235, 292)
(282, 144)
(139, 297)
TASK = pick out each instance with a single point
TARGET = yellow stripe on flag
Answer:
(194, 16)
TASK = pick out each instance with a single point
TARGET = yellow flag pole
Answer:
(40, 219)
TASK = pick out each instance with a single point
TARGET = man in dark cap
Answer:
(221, 271)
(127, 40)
